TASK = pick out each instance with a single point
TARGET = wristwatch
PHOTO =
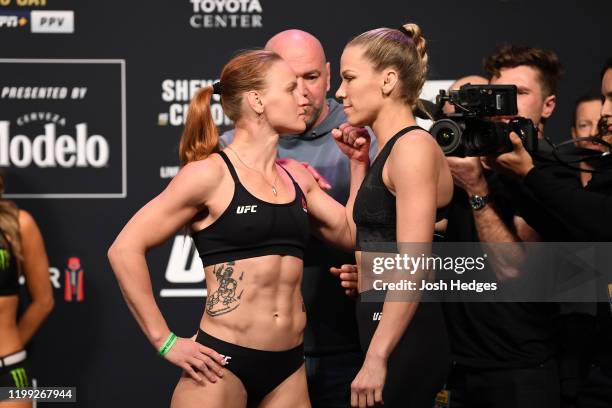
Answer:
(478, 202)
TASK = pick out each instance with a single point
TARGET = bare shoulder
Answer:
(415, 154)
(207, 169)
(417, 143)
(292, 166)
(301, 175)
(27, 224)
(200, 177)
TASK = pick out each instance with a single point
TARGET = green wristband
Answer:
(165, 348)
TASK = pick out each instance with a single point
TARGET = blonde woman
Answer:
(404, 193)
(22, 251)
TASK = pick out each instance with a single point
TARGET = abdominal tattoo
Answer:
(224, 299)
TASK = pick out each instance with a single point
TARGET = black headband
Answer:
(217, 88)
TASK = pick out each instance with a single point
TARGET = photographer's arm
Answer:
(588, 212)
(468, 175)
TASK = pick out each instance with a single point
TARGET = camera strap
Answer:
(602, 161)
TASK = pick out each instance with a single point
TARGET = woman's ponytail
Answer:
(200, 136)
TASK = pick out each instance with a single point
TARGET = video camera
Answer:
(470, 132)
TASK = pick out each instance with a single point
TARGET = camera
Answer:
(470, 131)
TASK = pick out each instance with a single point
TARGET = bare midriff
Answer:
(10, 342)
(256, 302)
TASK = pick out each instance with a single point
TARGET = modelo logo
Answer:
(47, 150)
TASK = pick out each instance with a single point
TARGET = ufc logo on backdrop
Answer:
(243, 209)
(376, 316)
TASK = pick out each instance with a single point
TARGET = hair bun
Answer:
(415, 33)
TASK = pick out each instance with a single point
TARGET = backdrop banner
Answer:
(93, 98)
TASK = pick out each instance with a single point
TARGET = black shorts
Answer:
(248, 364)
(15, 375)
(419, 364)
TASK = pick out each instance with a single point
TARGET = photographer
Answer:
(590, 212)
(589, 209)
(503, 352)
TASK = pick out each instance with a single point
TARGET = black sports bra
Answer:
(9, 274)
(250, 227)
(374, 211)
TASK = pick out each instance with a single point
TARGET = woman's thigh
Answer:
(293, 392)
(227, 392)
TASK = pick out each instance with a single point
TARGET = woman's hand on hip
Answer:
(192, 356)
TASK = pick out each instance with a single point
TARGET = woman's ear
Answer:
(255, 102)
(390, 81)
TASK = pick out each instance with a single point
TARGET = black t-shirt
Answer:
(602, 183)
(503, 334)
(588, 215)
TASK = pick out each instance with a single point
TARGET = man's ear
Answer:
(390, 81)
(328, 76)
(549, 106)
(255, 102)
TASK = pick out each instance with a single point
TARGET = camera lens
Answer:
(445, 137)
(447, 134)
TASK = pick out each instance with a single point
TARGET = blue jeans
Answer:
(329, 378)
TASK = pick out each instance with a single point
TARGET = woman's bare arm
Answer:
(332, 221)
(153, 224)
(413, 172)
(35, 267)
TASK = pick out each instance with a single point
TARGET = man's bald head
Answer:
(470, 79)
(305, 55)
(290, 44)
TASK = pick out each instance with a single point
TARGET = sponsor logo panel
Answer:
(63, 128)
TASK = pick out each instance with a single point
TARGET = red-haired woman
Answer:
(250, 223)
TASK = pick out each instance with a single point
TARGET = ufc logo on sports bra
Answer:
(243, 209)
